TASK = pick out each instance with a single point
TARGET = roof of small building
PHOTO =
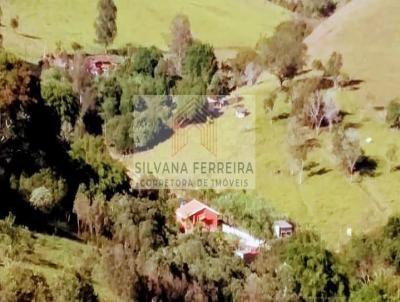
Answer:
(241, 109)
(192, 208)
(282, 224)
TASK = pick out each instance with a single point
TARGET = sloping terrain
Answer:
(367, 34)
(223, 23)
(53, 256)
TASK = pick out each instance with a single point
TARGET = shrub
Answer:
(200, 62)
(317, 274)
(247, 211)
(44, 189)
(393, 113)
(22, 284)
(58, 94)
(90, 150)
(146, 59)
(392, 228)
(283, 53)
(191, 100)
(71, 286)
(18, 240)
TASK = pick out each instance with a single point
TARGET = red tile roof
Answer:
(192, 208)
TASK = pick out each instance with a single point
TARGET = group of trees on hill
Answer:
(310, 8)
(312, 97)
(136, 103)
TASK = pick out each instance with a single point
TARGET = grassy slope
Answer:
(52, 255)
(329, 202)
(367, 33)
(224, 23)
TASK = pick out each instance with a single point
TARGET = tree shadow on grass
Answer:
(282, 116)
(30, 36)
(319, 172)
(311, 166)
(366, 166)
(353, 84)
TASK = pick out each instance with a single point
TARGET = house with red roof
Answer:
(196, 213)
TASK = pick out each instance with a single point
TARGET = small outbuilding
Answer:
(282, 229)
(241, 112)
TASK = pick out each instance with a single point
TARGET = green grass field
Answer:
(367, 34)
(53, 255)
(223, 23)
(329, 201)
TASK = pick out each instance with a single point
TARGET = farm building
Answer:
(197, 213)
(100, 64)
(282, 228)
(241, 112)
(93, 64)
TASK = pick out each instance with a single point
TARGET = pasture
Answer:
(45, 23)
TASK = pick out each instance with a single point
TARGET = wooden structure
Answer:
(282, 229)
(196, 213)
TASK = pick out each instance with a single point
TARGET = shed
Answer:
(282, 228)
(241, 112)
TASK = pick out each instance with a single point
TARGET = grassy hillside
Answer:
(52, 256)
(327, 201)
(223, 23)
(367, 33)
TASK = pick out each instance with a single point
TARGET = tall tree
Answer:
(284, 53)
(200, 62)
(346, 147)
(106, 26)
(181, 39)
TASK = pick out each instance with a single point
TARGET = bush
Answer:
(57, 93)
(191, 100)
(18, 240)
(21, 284)
(109, 93)
(90, 150)
(393, 113)
(71, 286)
(44, 189)
(200, 62)
(392, 228)
(247, 211)
(317, 274)
(284, 53)
(146, 59)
